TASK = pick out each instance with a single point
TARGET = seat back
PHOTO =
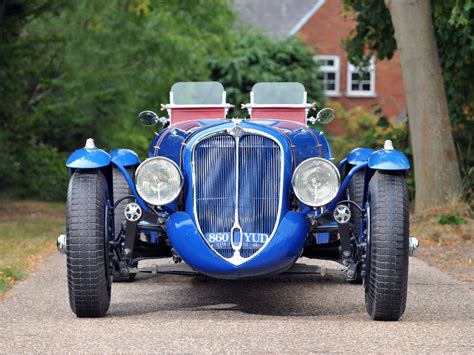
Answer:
(279, 101)
(191, 101)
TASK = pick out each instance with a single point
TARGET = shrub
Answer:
(256, 58)
(35, 171)
(365, 129)
(370, 130)
(46, 176)
(9, 167)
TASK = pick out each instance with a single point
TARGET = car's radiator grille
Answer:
(215, 169)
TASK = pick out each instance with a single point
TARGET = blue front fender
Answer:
(86, 158)
(359, 155)
(121, 158)
(384, 159)
(278, 256)
(124, 157)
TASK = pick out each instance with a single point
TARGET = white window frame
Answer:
(336, 69)
(359, 93)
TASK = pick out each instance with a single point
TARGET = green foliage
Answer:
(365, 129)
(370, 130)
(257, 58)
(34, 171)
(12, 273)
(454, 30)
(452, 219)
(23, 65)
(3, 285)
(8, 275)
(73, 70)
(373, 31)
(46, 176)
(120, 57)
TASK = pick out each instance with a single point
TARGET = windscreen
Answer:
(197, 93)
(278, 94)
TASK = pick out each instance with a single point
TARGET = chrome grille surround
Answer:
(215, 214)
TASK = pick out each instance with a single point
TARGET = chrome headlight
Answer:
(158, 181)
(315, 182)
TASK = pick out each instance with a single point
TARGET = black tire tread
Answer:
(386, 292)
(121, 189)
(89, 290)
(356, 194)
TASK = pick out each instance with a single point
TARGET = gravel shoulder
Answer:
(290, 313)
(449, 248)
(456, 260)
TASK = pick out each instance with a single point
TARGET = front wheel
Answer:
(386, 276)
(88, 267)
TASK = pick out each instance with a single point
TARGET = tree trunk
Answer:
(437, 177)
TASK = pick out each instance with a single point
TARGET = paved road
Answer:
(293, 313)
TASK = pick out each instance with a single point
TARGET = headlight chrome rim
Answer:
(174, 196)
(308, 161)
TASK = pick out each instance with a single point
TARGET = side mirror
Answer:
(326, 115)
(148, 118)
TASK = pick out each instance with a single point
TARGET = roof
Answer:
(277, 18)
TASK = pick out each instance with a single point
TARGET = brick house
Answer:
(323, 25)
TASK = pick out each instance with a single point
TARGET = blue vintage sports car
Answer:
(237, 198)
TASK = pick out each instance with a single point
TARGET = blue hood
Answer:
(305, 142)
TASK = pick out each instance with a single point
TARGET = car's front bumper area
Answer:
(278, 256)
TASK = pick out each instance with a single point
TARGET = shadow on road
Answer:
(286, 295)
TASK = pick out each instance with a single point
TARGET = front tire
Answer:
(356, 194)
(88, 268)
(387, 247)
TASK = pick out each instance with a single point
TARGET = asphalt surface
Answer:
(291, 314)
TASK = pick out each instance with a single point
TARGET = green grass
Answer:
(8, 275)
(28, 231)
(452, 219)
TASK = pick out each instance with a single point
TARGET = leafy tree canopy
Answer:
(120, 57)
(454, 30)
(256, 58)
(73, 70)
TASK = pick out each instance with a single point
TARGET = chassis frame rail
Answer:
(184, 270)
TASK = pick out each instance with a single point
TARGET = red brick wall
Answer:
(325, 31)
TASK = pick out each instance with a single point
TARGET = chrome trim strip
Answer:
(277, 105)
(236, 225)
(168, 106)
